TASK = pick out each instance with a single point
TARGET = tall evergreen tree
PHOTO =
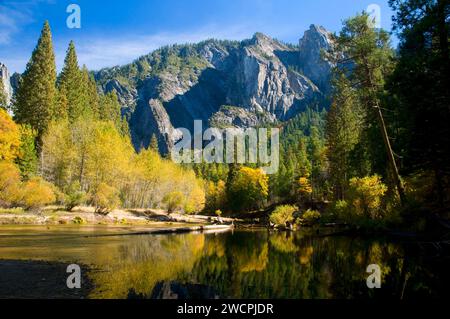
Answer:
(343, 131)
(90, 91)
(110, 110)
(367, 63)
(420, 82)
(35, 97)
(70, 83)
(27, 160)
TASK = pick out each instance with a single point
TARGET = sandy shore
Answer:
(85, 215)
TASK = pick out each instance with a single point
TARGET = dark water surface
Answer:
(239, 264)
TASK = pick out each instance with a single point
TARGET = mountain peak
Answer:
(317, 35)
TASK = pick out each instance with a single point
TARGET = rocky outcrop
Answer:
(314, 43)
(5, 77)
(237, 117)
(263, 80)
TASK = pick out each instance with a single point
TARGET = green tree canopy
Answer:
(35, 97)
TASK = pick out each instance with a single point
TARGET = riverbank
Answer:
(54, 215)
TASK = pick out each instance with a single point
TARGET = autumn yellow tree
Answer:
(248, 189)
(9, 137)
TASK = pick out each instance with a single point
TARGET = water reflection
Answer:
(241, 265)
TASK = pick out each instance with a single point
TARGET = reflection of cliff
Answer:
(139, 265)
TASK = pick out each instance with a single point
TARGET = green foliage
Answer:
(110, 110)
(283, 215)
(74, 196)
(344, 126)
(27, 159)
(35, 97)
(420, 94)
(311, 216)
(302, 155)
(71, 84)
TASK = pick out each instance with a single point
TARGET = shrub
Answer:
(283, 214)
(78, 220)
(105, 199)
(365, 196)
(74, 196)
(218, 213)
(37, 193)
(173, 201)
(311, 216)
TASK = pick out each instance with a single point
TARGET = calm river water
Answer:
(239, 264)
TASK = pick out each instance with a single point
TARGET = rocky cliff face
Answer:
(222, 83)
(4, 75)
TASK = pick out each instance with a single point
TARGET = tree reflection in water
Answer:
(263, 265)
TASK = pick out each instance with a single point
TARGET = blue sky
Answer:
(116, 32)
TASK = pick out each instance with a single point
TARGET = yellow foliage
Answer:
(216, 196)
(283, 214)
(37, 193)
(306, 254)
(283, 244)
(248, 189)
(196, 200)
(9, 137)
(366, 194)
(304, 186)
(91, 153)
(105, 198)
(9, 183)
(311, 216)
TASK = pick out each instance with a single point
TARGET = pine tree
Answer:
(367, 64)
(27, 160)
(90, 91)
(60, 106)
(420, 83)
(343, 130)
(36, 94)
(70, 83)
(110, 110)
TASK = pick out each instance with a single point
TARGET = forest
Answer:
(378, 158)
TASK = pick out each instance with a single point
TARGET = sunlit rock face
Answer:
(222, 83)
(4, 75)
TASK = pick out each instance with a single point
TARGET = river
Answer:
(234, 264)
